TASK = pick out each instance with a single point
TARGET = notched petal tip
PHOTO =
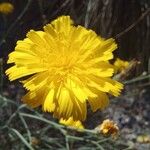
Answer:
(63, 20)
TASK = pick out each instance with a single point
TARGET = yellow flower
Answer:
(6, 8)
(143, 139)
(72, 123)
(69, 66)
(121, 65)
(108, 127)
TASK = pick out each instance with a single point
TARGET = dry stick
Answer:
(140, 78)
(1, 76)
(43, 16)
(133, 25)
(20, 136)
(67, 143)
(87, 17)
(26, 127)
(60, 8)
(15, 22)
(85, 140)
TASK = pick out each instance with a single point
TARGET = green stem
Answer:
(137, 79)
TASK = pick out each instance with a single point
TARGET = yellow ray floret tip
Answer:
(65, 66)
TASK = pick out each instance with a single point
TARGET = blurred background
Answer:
(127, 21)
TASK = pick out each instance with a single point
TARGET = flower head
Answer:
(121, 65)
(6, 8)
(72, 123)
(69, 66)
(35, 141)
(108, 127)
(143, 138)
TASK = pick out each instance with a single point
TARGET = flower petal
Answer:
(49, 104)
(18, 72)
(100, 102)
(76, 90)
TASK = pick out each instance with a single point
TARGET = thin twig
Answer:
(87, 16)
(1, 76)
(86, 140)
(60, 8)
(26, 127)
(57, 126)
(15, 22)
(14, 114)
(67, 143)
(133, 25)
(43, 16)
(22, 138)
(140, 78)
